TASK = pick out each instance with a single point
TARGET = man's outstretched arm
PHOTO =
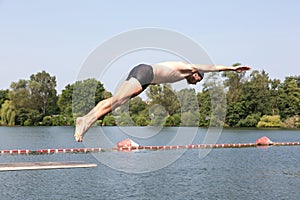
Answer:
(219, 68)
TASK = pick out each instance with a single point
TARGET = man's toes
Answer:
(78, 138)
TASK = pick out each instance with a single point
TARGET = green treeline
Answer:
(228, 99)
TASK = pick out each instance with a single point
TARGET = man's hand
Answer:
(243, 69)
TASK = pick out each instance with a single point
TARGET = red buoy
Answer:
(128, 143)
(264, 141)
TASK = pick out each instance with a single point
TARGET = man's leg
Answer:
(128, 89)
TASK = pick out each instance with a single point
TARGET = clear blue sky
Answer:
(57, 36)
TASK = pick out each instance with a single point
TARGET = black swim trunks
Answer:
(143, 73)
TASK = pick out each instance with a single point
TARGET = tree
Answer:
(269, 121)
(43, 93)
(292, 122)
(124, 120)
(174, 120)
(136, 105)
(164, 96)
(289, 98)
(158, 115)
(33, 99)
(109, 120)
(218, 100)
(250, 121)
(20, 98)
(20, 95)
(8, 113)
(257, 93)
(189, 108)
(234, 83)
(190, 118)
(204, 107)
(138, 112)
(188, 100)
(79, 98)
(65, 100)
(141, 121)
(274, 96)
(130, 112)
(3, 96)
(295, 78)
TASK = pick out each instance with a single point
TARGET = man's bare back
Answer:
(170, 72)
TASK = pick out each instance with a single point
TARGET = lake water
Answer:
(239, 173)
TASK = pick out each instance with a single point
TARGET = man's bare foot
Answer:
(81, 129)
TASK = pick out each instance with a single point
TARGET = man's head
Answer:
(201, 74)
(195, 77)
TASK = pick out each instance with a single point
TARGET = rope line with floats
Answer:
(129, 145)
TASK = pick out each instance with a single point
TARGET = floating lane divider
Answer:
(50, 151)
(129, 145)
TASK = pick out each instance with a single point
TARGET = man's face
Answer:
(194, 78)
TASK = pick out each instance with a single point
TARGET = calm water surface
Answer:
(245, 173)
